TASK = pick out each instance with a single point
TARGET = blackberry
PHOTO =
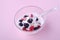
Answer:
(36, 19)
(35, 28)
(30, 20)
(20, 24)
(26, 16)
(20, 20)
(26, 25)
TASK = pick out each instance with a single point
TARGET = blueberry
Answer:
(20, 20)
(30, 20)
(26, 25)
(36, 19)
(26, 16)
(21, 24)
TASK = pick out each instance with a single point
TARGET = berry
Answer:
(36, 19)
(31, 28)
(20, 24)
(30, 20)
(37, 27)
(20, 20)
(26, 25)
(24, 28)
(31, 15)
(26, 16)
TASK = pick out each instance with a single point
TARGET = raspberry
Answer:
(25, 29)
(31, 28)
(31, 15)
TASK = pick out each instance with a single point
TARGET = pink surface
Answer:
(8, 30)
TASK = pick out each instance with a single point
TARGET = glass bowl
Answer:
(36, 11)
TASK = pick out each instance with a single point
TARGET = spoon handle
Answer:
(46, 12)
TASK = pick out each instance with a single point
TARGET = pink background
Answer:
(8, 30)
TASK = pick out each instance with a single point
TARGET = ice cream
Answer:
(29, 23)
